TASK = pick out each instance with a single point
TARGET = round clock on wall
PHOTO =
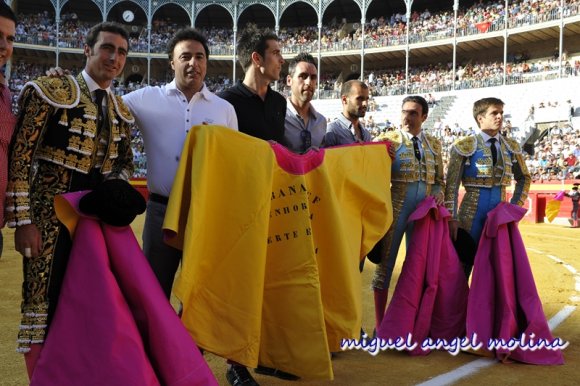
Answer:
(128, 16)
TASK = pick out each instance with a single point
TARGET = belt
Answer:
(158, 198)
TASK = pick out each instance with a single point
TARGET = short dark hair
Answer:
(106, 26)
(418, 99)
(481, 106)
(252, 40)
(346, 86)
(187, 34)
(301, 57)
(7, 12)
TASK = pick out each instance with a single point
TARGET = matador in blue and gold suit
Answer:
(411, 182)
(471, 164)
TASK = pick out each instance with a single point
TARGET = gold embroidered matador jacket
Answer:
(406, 168)
(471, 164)
(58, 124)
(57, 142)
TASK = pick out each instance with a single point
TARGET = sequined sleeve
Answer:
(522, 177)
(123, 166)
(439, 185)
(453, 180)
(35, 113)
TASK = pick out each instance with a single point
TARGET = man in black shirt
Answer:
(261, 111)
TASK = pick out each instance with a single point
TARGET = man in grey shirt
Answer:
(347, 128)
(304, 126)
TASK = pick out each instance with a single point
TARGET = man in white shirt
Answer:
(164, 115)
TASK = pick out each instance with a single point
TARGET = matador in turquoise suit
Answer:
(485, 163)
(416, 173)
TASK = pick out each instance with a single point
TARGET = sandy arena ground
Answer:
(554, 255)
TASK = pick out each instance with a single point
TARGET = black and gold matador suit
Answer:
(58, 146)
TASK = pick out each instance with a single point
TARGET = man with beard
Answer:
(305, 127)
(347, 128)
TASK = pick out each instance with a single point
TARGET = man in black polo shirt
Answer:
(261, 111)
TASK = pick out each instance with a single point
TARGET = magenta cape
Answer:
(113, 325)
(430, 298)
(503, 300)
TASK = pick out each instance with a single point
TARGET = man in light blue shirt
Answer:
(304, 126)
(347, 128)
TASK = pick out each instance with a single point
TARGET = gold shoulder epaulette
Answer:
(465, 146)
(433, 142)
(61, 92)
(123, 110)
(513, 145)
(392, 136)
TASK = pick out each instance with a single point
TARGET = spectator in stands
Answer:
(7, 117)
(473, 159)
(416, 172)
(304, 126)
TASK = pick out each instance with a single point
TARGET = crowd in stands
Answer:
(561, 146)
(551, 161)
(557, 155)
(381, 31)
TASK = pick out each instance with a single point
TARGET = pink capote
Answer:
(430, 298)
(503, 300)
(113, 324)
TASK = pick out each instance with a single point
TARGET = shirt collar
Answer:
(348, 123)
(171, 88)
(91, 84)
(248, 92)
(410, 136)
(311, 110)
(486, 137)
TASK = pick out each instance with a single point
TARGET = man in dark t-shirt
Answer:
(261, 111)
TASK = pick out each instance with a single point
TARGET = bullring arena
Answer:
(453, 53)
(553, 252)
